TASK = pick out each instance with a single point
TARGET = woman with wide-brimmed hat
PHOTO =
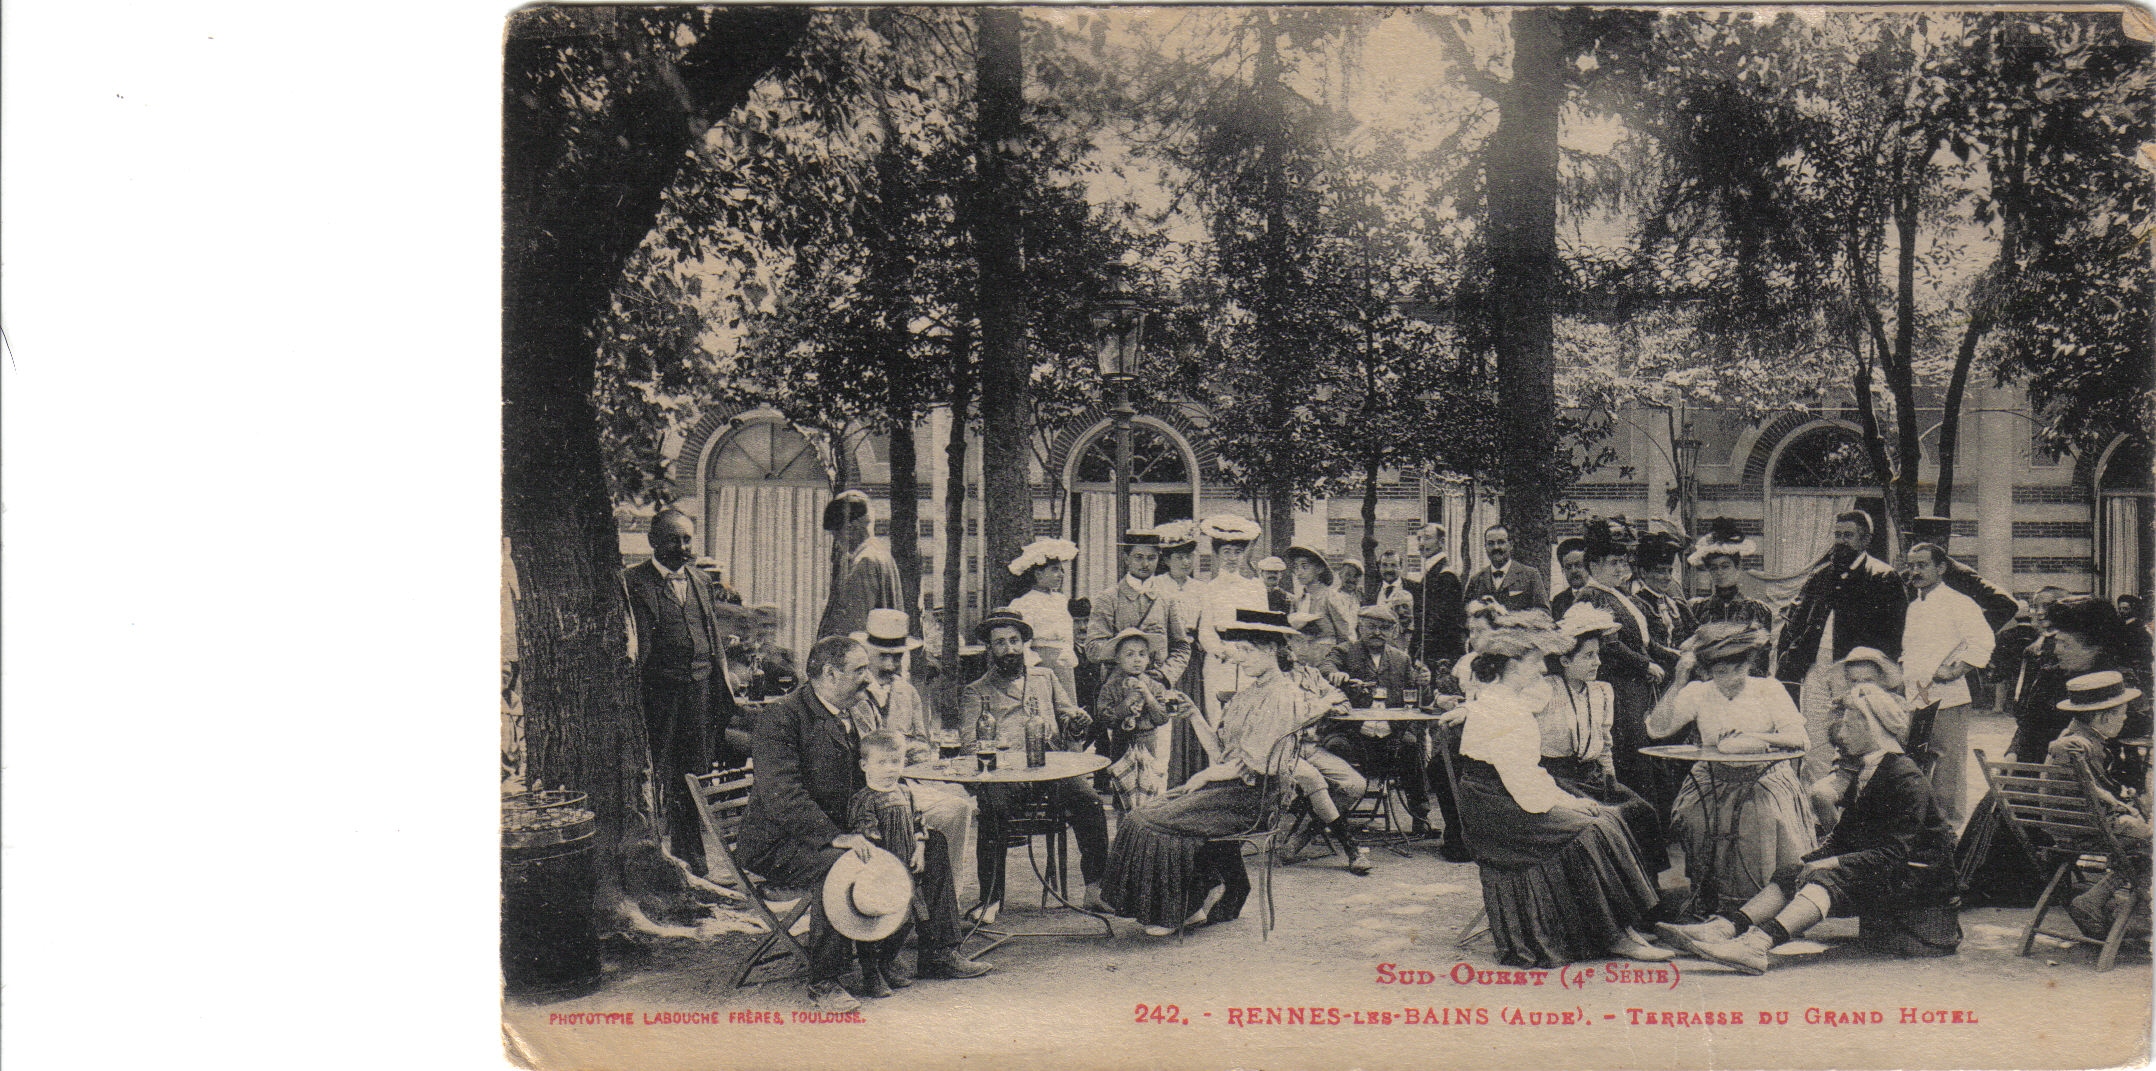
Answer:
(1040, 568)
(1161, 868)
(1759, 809)
(1561, 877)
(1576, 729)
(1324, 617)
(1234, 586)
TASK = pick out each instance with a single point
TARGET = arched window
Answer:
(2126, 518)
(764, 491)
(1163, 488)
(1817, 473)
(766, 451)
(1825, 457)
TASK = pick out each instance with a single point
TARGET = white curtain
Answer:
(1799, 530)
(1096, 536)
(2121, 545)
(769, 542)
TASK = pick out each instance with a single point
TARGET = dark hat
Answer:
(1140, 539)
(1002, 617)
(1256, 624)
(1932, 529)
(1656, 549)
(1606, 538)
(1717, 640)
(848, 506)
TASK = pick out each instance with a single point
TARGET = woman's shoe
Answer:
(1160, 931)
(985, 914)
(1628, 947)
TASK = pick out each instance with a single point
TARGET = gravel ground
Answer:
(1076, 1002)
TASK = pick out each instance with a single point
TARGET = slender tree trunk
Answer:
(1274, 338)
(998, 240)
(1901, 374)
(1521, 164)
(1370, 579)
(906, 512)
(954, 522)
(1942, 503)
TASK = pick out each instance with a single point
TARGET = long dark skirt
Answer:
(1186, 755)
(1161, 868)
(1587, 779)
(1559, 886)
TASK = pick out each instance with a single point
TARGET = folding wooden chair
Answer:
(1446, 739)
(1921, 721)
(2062, 803)
(721, 798)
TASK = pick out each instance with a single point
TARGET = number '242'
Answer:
(1159, 1013)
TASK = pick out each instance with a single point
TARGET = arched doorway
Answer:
(1163, 488)
(765, 487)
(1817, 472)
(2125, 488)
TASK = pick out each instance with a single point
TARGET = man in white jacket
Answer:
(1944, 636)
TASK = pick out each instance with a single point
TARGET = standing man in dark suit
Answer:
(1440, 608)
(1515, 583)
(808, 766)
(1851, 600)
(681, 662)
(1572, 560)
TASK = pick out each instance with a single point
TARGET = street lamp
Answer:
(1687, 459)
(1118, 320)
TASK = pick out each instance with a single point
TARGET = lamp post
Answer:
(1118, 320)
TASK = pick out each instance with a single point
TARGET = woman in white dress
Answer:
(1233, 586)
(1040, 567)
(1759, 817)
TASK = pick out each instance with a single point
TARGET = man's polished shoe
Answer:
(1736, 952)
(949, 964)
(896, 975)
(830, 996)
(872, 984)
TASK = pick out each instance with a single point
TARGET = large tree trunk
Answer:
(1006, 415)
(572, 213)
(1521, 165)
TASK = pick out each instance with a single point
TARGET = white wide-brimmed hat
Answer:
(886, 631)
(1585, 619)
(1041, 552)
(868, 901)
(1229, 528)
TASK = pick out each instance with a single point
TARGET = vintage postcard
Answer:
(1349, 536)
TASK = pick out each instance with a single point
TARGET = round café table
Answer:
(1011, 769)
(1712, 796)
(1397, 831)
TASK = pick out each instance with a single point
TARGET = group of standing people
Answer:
(1208, 693)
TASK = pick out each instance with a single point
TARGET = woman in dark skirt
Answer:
(1561, 877)
(1576, 725)
(1160, 868)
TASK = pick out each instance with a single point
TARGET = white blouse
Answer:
(1501, 730)
(1055, 635)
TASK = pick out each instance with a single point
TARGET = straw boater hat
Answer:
(1253, 624)
(868, 901)
(1177, 535)
(1584, 619)
(1721, 537)
(1717, 640)
(846, 507)
(886, 632)
(1229, 528)
(1041, 552)
(1889, 673)
(1002, 617)
(1140, 539)
(2101, 690)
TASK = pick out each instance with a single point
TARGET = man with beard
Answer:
(1850, 600)
(680, 661)
(1631, 673)
(1374, 658)
(1011, 697)
(1516, 584)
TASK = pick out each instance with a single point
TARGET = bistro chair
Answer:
(1263, 836)
(2055, 813)
(722, 796)
(1447, 740)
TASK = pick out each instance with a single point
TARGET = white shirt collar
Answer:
(1136, 584)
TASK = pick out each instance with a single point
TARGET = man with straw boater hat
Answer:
(890, 701)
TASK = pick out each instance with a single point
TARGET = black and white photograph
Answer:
(1330, 536)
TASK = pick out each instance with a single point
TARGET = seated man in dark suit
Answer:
(1891, 857)
(1374, 659)
(808, 767)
